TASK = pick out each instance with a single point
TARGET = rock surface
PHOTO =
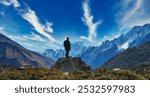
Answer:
(71, 64)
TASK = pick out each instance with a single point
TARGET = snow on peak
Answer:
(125, 45)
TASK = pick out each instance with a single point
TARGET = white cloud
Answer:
(32, 18)
(88, 20)
(31, 42)
(15, 3)
(37, 37)
(48, 27)
(133, 10)
(130, 16)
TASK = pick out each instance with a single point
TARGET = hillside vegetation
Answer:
(140, 73)
(131, 58)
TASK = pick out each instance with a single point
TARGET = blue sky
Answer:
(41, 24)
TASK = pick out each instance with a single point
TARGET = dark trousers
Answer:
(67, 53)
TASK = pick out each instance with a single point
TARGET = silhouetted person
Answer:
(67, 47)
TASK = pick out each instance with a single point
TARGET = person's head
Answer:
(67, 38)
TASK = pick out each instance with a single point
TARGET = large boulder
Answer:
(71, 64)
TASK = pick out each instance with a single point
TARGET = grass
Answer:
(140, 73)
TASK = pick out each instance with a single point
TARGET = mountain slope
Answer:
(131, 58)
(13, 54)
(96, 56)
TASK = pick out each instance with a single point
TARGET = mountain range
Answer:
(138, 35)
(76, 49)
(14, 55)
(96, 56)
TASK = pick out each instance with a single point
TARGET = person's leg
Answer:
(67, 54)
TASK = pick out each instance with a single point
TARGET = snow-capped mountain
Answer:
(96, 56)
(54, 54)
(76, 49)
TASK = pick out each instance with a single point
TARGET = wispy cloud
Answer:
(37, 37)
(30, 41)
(32, 18)
(131, 13)
(14, 3)
(48, 27)
(88, 20)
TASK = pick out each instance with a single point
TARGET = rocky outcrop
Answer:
(71, 64)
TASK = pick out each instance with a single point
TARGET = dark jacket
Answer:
(67, 45)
